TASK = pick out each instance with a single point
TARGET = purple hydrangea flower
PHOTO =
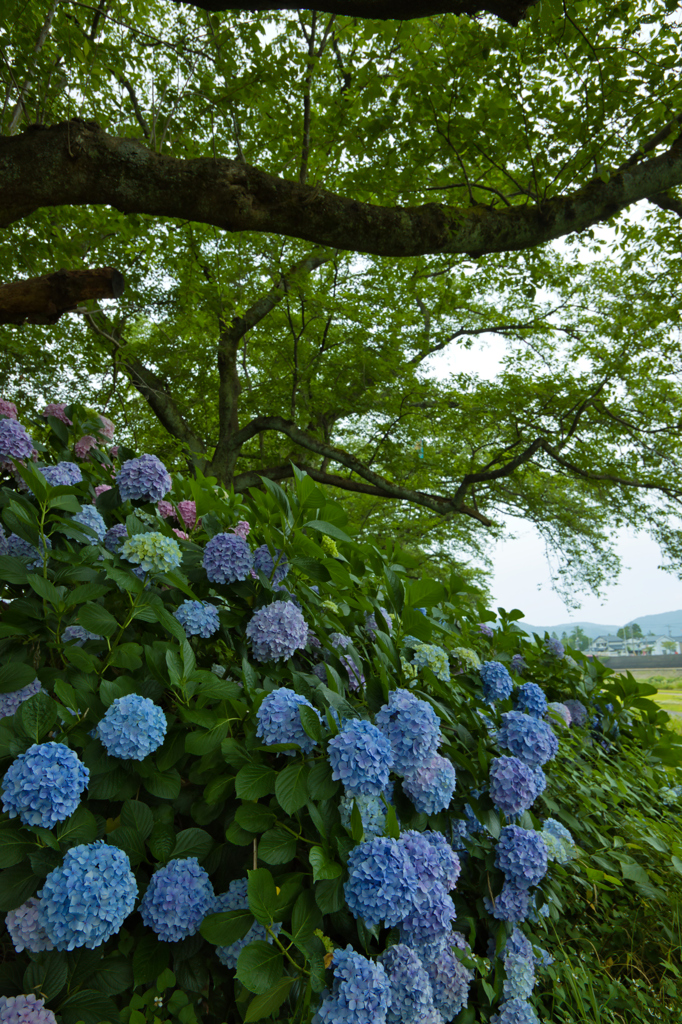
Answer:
(56, 409)
(44, 784)
(198, 618)
(276, 631)
(236, 898)
(8, 409)
(531, 699)
(382, 883)
(515, 1011)
(355, 677)
(558, 713)
(413, 728)
(64, 474)
(372, 812)
(578, 712)
(430, 919)
(25, 930)
(177, 899)
(25, 1010)
(143, 479)
(512, 904)
(360, 756)
(89, 516)
(371, 623)
(361, 991)
(9, 702)
(554, 647)
(15, 441)
(227, 558)
(513, 786)
(132, 727)
(115, 536)
(86, 900)
(4, 547)
(78, 635)
(465, 828)
(486, 630)
(450, 981)
(280, 722)
(431, 786)
(188, 513)
(518, 664)
(520, 980)
(84, 446)
(497, 683)
(20, 548)
(153, 552)
(274, 567)
(411, 996)
(521, 855)
(530, 739)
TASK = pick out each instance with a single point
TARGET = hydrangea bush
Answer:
(255, 772)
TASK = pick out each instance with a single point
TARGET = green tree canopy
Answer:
(310, 207)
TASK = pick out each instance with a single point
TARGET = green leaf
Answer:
(225, 928)
(254, 781)
(65, 503)
(88, 1007)
(113, 975)
(47, 975)
(255, 818)
(305, 918)
(13, 570)
(329, 895)
(356, 827)
(97, 619)
(14, 847)
(311, 568)
(322, 864)
(291, 787)
(150, 958)
(14, 675)
(81, 827)
(46, 590)
(635, 873)
(38, 714)
(392, 827)
(137, 815)
(126, 656)
(265, 1005)
(310, 720)
(395, 590)
(161, 841)
(166, 785)
(327, 528)
(321, 786)
(277, 846)
(262, 895)
(259, 966)
(192, 842)
(17, 884)
(278, 494)
(130, 841)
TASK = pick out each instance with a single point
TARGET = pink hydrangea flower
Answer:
(165, 509)
(100, 489)
(181, 534)
(84, 445)
(113, 452)
(188, 512)
(8, 409)
(242, 529)
(108, 428)
(56, 409)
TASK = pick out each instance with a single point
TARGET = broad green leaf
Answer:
(47, 975)
(97, 619)
(262, 895)
(81, 827)
(259, 966)
(310, 720)
(329, 529)
(255, 817)
(291, 787)
(14, 675)
(266, 1004)
(45, 589)
(277, 846)
(165, 785)
(192, 842)
(254, 781)
(161, 841)
(306, 917)
(225, 928)
(17, 884)
(14, 847)
(136, 814)
(38, 714)
(150, 958)
(322, 864)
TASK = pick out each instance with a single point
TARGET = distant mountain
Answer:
(665, 622)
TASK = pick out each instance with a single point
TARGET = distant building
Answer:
(609, 644)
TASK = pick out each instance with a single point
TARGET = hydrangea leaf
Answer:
(255, 818)
(165, 785)
(277, 846)
(259, 967)
(14, 847)
(81, 827)
(16, 885)
(266, 1004)
(97, 619)
(192, 842)
(14, 675)
(150, 958)
(324, 867)
(305, 919)
(310, 721)
(47, 976)
(254, 781)
(13, 570)
(38, 714)
(291, 787)
(262, 895)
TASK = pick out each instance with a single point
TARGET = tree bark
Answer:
(76, 163)
(511, 11)
(42, 300)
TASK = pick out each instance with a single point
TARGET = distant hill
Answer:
(665, 622)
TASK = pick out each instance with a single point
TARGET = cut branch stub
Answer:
(42, 300)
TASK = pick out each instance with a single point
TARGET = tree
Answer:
(281, 146)
(630, 632)
(577, 638)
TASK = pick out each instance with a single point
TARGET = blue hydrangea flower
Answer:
(236, 898)
(449, 866)
(515, 1011)
(450, 981)
(17, 547)
(540, 780)
(90, 517)
(413, 728)
(9, 702)
(132, 727)
(360, 756)
(382, 882)
(497, 683)
(64, 474)
(371, 623)
(513, 787)
(530, 739)
(430, 788)
(178, 898)
(153, 552)
(115, 536)
(44, 784)
(518, 664)
(15, 441)
(558, 840)
(4, 550)
(411, 996)
(512, 904)
(143, 479)
(554, 647)
(431, 917)
(521, 855)
(275, 568)
(227, 558)
(25, 1010)
(86, 900)
(372, 812)
(558, 713)
(520, 980)
(25, 930)
(486, 630)
(341, 643)
(465, 828)
(198, 618)
(433, 657)
(280, 722)
(277, 631)
(531, 699)
(361, 991)
(578, 712)
(77, 635)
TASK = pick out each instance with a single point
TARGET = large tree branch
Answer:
(42, 300)
(511, 11)
(76, 163)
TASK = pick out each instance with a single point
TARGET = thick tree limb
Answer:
(667, 202)
(42, 300)
(76, 163)
(511, 11)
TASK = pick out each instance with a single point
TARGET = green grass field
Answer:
(668, 682)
